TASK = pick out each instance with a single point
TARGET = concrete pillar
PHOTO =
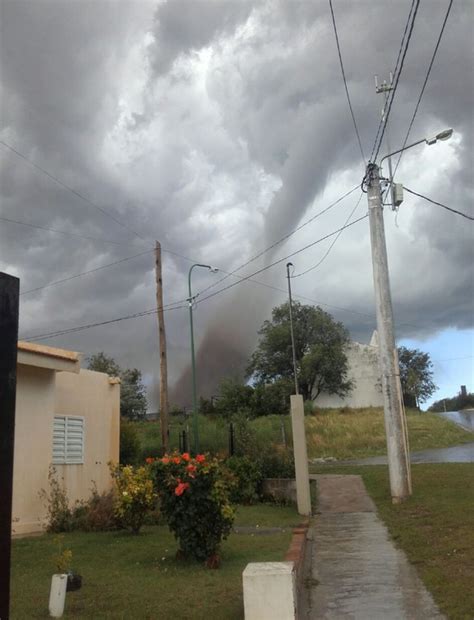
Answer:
(270, 591)
(303, 497)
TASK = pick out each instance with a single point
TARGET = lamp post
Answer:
(193, 361)
(442, 135)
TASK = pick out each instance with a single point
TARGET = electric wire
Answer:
(333, 242)
(345, 81)
(284, 238)
(277, 262)
(439, 204)
(62, 232)
(430, 66)
(56, 180)
(84, 273)
(397, 79)
(165, 308)
(394, 73)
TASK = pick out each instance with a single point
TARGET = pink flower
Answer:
(200, 458)
(185, 456)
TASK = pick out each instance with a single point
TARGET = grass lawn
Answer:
(341, 433)
(357, 433)
(435, 528)
(135, 577)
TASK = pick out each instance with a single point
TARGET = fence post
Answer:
(231, 439)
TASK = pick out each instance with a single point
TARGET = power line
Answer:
(84, 273)
(345, 82)
(397, 78)
(394, 73)
(284, 238)
(61, 232)
(424, 85)
(280, 260)
(468, 217)
(333, 242)
(71, 330)
(70, 189)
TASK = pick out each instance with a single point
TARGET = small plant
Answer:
(57, 504)
(194, 499)
(134, 497)
(63, 558)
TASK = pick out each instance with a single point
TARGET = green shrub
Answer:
(194, 499)
(59, 513)
(248, 477)
(100, 512)
(129, 443)
(277, 463)
(134, 497)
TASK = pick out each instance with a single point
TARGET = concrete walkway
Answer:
(355, 570)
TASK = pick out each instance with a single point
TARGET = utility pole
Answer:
(293, 349)
(164, 405)
(395, 423)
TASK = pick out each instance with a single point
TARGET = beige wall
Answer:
(42, 394)
(33, 445)
(90, 395)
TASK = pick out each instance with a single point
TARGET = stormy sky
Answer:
(218, 127)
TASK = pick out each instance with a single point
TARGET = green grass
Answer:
(358, 433)
(435, 528)
(340, 433)
(126, 576)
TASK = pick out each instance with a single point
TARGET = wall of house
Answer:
(42, 394)
(33, 446)
(363, 369)
(90, 395)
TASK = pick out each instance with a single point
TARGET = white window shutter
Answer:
(68, 440)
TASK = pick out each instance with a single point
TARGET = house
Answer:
(363, 370)
(67, 417)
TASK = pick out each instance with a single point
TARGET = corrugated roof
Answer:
(41, 349)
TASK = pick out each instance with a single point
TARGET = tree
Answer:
(320, 344)
(416, 376)
(133, 403)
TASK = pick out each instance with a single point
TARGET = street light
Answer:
(190, 301)
(397, 189)
(442, 135)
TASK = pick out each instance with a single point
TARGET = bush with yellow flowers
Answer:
(134, 496)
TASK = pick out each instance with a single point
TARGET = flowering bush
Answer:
(194, 500)
(134, 497)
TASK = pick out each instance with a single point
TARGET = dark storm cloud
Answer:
(218, 126)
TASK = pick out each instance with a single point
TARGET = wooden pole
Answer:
(164, 405)
(9, 295)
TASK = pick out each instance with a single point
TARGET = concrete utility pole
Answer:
(164, 404)
(395, 423)
(9, 295)
(385, 89)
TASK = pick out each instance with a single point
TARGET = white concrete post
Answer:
(270, 591)
(57, 595)
(303, 496)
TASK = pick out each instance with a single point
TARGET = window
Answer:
(68, 440)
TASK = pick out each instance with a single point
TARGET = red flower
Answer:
(200, 458)
(185, 456)
(165, 460)
(181, 488)
(176, 460)
(149, 460)
(191, 469)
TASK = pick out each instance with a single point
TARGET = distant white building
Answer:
(363, 370)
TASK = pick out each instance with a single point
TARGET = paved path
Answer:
(356, 571)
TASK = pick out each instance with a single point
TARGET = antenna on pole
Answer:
(385, 88)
